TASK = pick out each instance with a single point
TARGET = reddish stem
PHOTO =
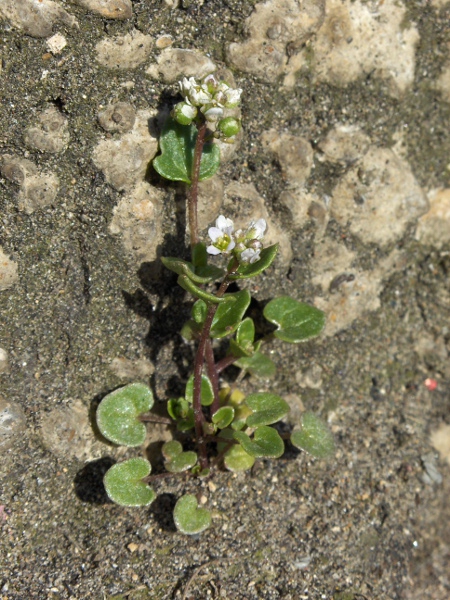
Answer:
(213, 375)
(193, 195)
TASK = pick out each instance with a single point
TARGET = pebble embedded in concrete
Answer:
(119, 116)
(344, 144)
(51, 134)
(124, 51)
(210, 198)
(440, 439)
(9, 274)
(56, 43)
(12, 423)
(175, 63)
(110, 9)
(4, 362)
(293, 152)
(134, 370)
(138, 219)
(36, 18)
(356, 40)
(124, 160)
(378, 198)
(434, 226)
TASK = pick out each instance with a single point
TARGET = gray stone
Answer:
(110, 9)
(174, 63)
(36, 18)
(12, 423)
(8, 271)
(51, 135)
(124, 51)
(119, 116)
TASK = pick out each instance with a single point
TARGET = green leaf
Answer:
(297, 321)
(314, 436)
(177, 461)
(202, 275)
(267, 409)
(266, 442)
(241, 414)
(189, 518)
(177, 143)
(223, 417)
(244, 271)
(180, 410)
(190, 330)
(124, 485)
(228, 315)
(199, 311)
(118, 414)
(245, 333)
(187, 284)
(236, 459)
(259, 365)
(207, 392)
(199, 255)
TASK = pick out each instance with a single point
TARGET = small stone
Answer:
(132, 547)
(51, 135)
(378, 198)
(210, 198)
(311, 378)
(330, 259)
(124, 52)
(440, 439)
(4, 363)
(56, 43)
(434, 226)
(36, 18)
(124, 161)
(294, 154)
(344, 144)
(17, 169)
(8, 272)
(138, 220)
(139, 369)
(12, 423)
(164, 41)
(174, 63)
(117, 117)
(110, 9)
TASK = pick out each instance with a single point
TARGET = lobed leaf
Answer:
(296, 321)
(123, 483)
(314, 436)
(118, 414)
(190, 519)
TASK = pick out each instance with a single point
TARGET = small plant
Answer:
(228, 430)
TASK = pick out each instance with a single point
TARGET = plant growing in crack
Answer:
(228, 429)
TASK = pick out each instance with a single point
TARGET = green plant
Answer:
(228, 429)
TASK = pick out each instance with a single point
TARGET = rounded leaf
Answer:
(123, 483)
(314, 436)
(189, 518)
(296, 321)
(223, 417)
(258, 364)
(236, 459)
(118, 414)
(229, 314)
(171, 449)
(266, 442)
(181, 462)
(207, 392)
(267, 409)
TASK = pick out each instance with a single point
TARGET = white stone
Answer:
(331, 259)
(272, 28)
(119, 116)
(124, 160)
(8, 271)
(210, 198)
(124, 51)
(243, 204)
(12, 423)
(36, 17)
(174, 63)
(111, 9)
(138, 220)
(359, 38)
(56, 43)
(4, 363)
(434, 226)
(378, 197)
(293, 152)
(51, 134)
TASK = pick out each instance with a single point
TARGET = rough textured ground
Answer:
(84, 307)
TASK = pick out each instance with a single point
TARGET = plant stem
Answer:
(213, 375)
(193, 195)
(225, 362)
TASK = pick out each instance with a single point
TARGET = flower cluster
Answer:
(209, 98)
(245, 245)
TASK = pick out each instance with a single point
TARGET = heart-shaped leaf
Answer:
(258, 364)
(245, 271)
(207, 392)
(177, 143)
(223, 417)
(189, 518)
(177, 461)
(267, 409)
(314, 436)
(123, 483)
(297, 321)
(229, 315)
(118, 414)
(236, 459)
(266, 442)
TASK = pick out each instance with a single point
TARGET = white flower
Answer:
(233, 97)
(221, 236)
(256, 230)
(186, 85)
(250, 255)
(212, 113)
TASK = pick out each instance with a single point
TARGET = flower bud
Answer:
(184, 113)
(229, 126)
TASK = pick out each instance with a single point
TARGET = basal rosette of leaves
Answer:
(213, 427)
